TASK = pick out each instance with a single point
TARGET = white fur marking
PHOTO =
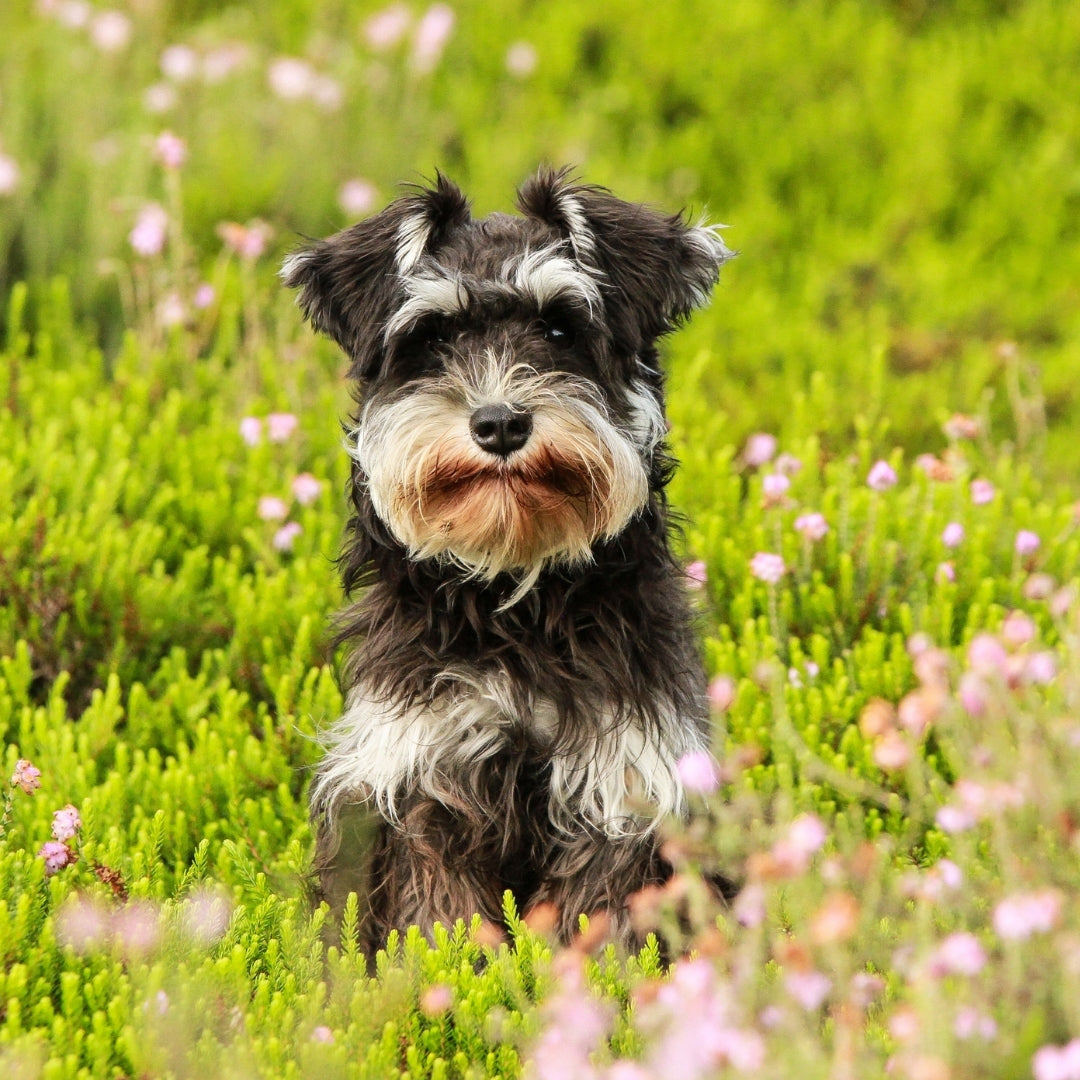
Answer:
(544, 275)
(646, 417)
(413, 235)
(581, 237)
(428, 294)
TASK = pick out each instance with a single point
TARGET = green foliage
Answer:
(907, 208)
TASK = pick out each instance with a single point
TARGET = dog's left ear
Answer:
(350, 283)
(657, 267)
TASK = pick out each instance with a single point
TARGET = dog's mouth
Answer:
(543, 474)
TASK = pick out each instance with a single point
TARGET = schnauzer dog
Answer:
(524, 676)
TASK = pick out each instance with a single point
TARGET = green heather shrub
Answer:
(876, 427)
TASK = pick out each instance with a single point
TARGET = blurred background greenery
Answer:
(901, 177)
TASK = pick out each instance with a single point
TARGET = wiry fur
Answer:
(523, 676)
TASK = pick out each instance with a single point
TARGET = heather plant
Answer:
(874, 423)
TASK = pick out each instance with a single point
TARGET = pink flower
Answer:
(749, 905)
(357, 197)
(436, 1000)
(1040, 668)
(56, 854)
(432, 34)
(111, 31)
(774, 486)
(327, 93)
(66, 822)
(170, 150)
(881, 476)
(205, 295)
(696, 574)
(387, 27)
(205, 915)
(1027, 542)
(986, 655)
(9, 175)
(807, 833)
(306, 489)
(959, 426)
(973, 693)
(180, 63)
(271, 508)
(1057, 1062)
(251, 430)
(945, 572)
(698, 772)
(958, 954)
(151, 228)
(759, 449)
(970, 1023)
(808, 988)
(892, 752)
(137, 927)
(248, 241)
(159, 98)
(982, 492)
(322, 1034)
(280, 425)
(521, 60)
(82, 923)
(1018, 629)
(767, 567)
(290, 78)
(953, 819)
(788, 464)
(1019, 916)
(26, 776)
(953, 535)
(813, 526)
(286, 536)
(721, 692)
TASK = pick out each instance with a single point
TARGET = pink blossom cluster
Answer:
(109, 30)
(59, 852)
(291, 78)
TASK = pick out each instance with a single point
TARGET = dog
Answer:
(523, 675)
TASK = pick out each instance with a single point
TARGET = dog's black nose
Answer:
(500, 429)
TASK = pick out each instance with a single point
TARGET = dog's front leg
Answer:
(594, 872)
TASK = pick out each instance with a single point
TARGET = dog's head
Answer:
(511, 408)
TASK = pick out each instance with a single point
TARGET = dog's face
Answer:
(511, 410)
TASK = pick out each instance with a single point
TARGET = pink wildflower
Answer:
(958, 954)
(767, 567)
(970, 1024)
(432, 34)
(774, 486)
(959, 426)
(1020, 915)
(137, 927)
(356, 197)
(159, 98)
(271, 508)
(386, 28)
(306, 489)
(953, 534)
(521, 59)
(26, 776)
(322, 1034)
(206, 914)
(749, 905)
(1027, 543)
(721, 692)
(1057, 1062)
(9, 175)
(251, 430)
(279, 426)
(974, 694)
(180, 63)
(1018, 629)
(286, 536)
(953, 819)
(986, 655)
(170, 150)
(945, 571)
(290, 78)
(813, 526)
(205, 295)
(111, 31)
(696, 574)
(759, 449)
(147, 238)
(82, 923)
(248, 241)
(698, 772)
(808, 988)
(892, 751)
(56, 854)
(436, 1000)
(807, 833)
(1040, 668)
(66, 822)
(788, 464)
(881, 477)
(982, 492)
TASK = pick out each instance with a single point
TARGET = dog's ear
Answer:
(350, 283)
(657, 267)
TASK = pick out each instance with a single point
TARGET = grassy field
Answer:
(898, 712)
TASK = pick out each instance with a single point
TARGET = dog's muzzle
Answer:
(501, 429)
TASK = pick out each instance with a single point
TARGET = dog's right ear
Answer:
(350, 283)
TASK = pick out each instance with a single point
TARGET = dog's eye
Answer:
(558, 333)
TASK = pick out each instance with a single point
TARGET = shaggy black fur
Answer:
(607, 644)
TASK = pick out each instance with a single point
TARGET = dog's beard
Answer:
(577, 480)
